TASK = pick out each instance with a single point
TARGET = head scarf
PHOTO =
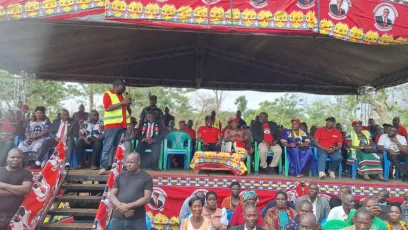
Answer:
(236, 120)
(249, 193)
(297, 120)
(356, 123)
(182, 121)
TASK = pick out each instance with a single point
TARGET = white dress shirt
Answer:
(60, 130)
(314, 208)
(337, 213)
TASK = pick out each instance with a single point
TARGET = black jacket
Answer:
(258, 132)
(72, 129)
(159, 137)
(242, 227)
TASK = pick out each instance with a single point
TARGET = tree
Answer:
(241, 102)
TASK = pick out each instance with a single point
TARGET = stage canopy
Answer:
(278, 46)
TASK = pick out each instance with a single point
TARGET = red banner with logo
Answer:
(35, 204)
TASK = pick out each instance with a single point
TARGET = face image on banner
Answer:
(338, 9)
(385, 15)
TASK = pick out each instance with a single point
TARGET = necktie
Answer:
(157, 203)
(385, 22)
(339, 12)
(62, 135)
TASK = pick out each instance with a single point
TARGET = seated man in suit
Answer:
(321, 207)
(150, 137)
(155, 201)
(64, 128)
(250, 217)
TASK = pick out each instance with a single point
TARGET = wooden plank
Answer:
(83, 187)
(87, 177)
(67, 226)
(75, 198)
(74, 212)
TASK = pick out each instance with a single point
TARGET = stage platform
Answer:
(259, 182)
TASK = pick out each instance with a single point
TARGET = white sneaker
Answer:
(332, 174)
(322, 175)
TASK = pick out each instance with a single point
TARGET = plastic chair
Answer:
(270, 154)
(329, 160)
(178, 140)
(335, 225)
(17, 140)
(323, 221)
(229, 215)
(160, 165)
(388, 167)
(248, 159)
(287, 160)
(148, 225)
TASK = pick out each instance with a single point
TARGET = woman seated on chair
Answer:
(277, 217)
(196, 221)
(300, 156)
(235, 138)
(218, 216)
(361, 150)
(237, 218)
(209, 136)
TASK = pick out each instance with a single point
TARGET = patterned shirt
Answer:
(157, 112)
(91, 130)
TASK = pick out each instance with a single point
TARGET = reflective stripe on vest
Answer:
(355, 141)
(114, 116)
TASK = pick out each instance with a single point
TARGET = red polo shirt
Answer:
(268, 138)
(209, 135)
(328, 138)
(402, 131)
(106, 103)
(191, 133)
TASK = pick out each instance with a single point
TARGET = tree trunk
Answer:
(91, 98)
(384, 117)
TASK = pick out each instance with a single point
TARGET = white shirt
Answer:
(150, 130)
(337, 213)
(385, 141)
(314, 207)
(60, 130)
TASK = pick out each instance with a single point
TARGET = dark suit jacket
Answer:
(380, 22)
(322, 206)
(335, 10)
(157, 138)
(73, 128)
(159, 202)
(258, 133)
(242, 227)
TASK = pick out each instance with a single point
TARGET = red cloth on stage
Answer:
(267, 133)
(106, 103)
(328, 138)
(209, 135)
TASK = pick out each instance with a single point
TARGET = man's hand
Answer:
(292, 145)
(391, 152)
(129, 213)
(266, 143)
(144, 140)
(330, 150)
(125, 102)
(150, 141)
(89, 142)
(57, 139)
(375, 211)
(123, 208)
(2, 185)
(272, 144)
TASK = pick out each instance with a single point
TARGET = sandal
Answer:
(299, 176)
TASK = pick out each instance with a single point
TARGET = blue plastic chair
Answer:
(329, 161)
(74, 158)
(17, 140)
(229, 215)
(178, 147)
(388, 167)
(270, 154)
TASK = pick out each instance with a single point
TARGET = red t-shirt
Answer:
(223, 130)
(209, 135)
(191, 133)
(328, 138)
(402, 131)
(268, 138)
(106, 103)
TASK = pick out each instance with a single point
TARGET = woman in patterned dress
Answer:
(394, 221)
(277, 217)
(35, 133)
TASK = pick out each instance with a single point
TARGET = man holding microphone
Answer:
(116, 118)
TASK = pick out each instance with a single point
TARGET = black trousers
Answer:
(396, 162)
(210, 147)
(149, 159)
(96, 146)
(51, 143)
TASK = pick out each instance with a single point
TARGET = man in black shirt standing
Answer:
(167, 117)
(158, 113)
(15, 183)
(131, 192)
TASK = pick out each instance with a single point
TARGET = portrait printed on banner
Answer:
(158, 199)
(338, 9)
(385, 15)
(305, 4)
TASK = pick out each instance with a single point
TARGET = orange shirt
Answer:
(209, 135)
(328, 138)
(402, 131)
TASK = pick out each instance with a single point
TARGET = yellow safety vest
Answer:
(114, 116)
(354, 137)
(216, 123)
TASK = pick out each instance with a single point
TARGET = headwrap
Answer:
(297, 120)
(354, 123)
(249, 193)
(24, 106)
(230, 120)
(182, 121)
(236, 120)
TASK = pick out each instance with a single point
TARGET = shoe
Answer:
(102, 171)
(331, 174)
(156, 169)
(272, 170)
(67, 166)
(263, 170)
(322, 175)
(93, 167)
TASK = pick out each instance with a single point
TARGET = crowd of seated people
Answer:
(201, 211)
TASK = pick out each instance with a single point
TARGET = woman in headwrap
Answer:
(235, 137)
(361, 150)
(277, 217)
(250, 197)
(300, 156)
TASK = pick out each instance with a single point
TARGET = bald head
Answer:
(15, 159)
(308, 221)
(133, 162)
(200, 194)
(304, 207)
(383, 196)
(250, 215)
(362, 219)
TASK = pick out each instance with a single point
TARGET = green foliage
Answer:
(241, 102)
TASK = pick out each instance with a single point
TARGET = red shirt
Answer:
(402, 131)
(268, 138)
(106, 103)
(328, 138)
(209, 135)
(191, 132)
(223, 130)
